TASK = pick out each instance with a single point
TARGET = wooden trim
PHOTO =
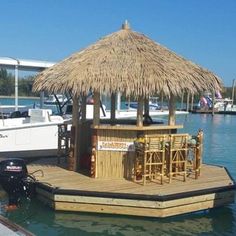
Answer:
(143, 211)
(133, 127)
(138, 196)
(143, 203)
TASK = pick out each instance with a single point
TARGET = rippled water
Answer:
(219, 149)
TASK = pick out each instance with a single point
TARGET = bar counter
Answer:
(113, 147)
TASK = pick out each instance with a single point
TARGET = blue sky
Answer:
(203, 31)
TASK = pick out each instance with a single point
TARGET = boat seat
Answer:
(15, 114)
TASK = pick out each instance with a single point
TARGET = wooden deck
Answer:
(70, 191)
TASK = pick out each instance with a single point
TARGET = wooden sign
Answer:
(115, 146)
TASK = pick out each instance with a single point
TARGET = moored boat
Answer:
(55, 99)
(35, 135)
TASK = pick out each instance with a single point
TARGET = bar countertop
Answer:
(134, 127)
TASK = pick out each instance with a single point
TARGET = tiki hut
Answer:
(130, 63)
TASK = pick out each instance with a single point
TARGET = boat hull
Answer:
(31, 140)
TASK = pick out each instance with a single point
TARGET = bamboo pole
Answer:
(140, 112)
(96, 109)
(187, 102)
(73, 154)
(182, 102)
(83, 109)
(162, 100)
(113, 108)
(146, 106)
(172, 109)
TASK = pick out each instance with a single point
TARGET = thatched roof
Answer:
(129, 62)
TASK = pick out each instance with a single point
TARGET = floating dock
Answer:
(65, 190)
(7, 228)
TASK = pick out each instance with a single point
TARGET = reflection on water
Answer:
(114, 225)
(42, 221)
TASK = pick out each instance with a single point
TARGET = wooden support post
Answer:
(73, 154)
(72, 149)
(162, 100)
(172, 109)
(146, 106)
(182, 102)
(96, 109)
(187, 102)
(140, 112)
(83, 109)
(113, 108)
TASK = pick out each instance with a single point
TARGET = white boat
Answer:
(54, 99)
(120, 114)
(224, 104)
(8, 111)
(153, 104)
(219, 103)
(36, 135)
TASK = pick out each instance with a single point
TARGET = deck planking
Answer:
(211, 177)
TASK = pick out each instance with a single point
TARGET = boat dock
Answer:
(65, 190)
(7, 228)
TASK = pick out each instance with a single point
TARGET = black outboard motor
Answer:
(15, 180)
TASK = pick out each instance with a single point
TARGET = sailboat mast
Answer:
(233, 91)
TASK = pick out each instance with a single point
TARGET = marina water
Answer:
(219, 149)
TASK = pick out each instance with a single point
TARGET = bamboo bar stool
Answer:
(177, 155)
(195, 154)
(63, 142)
(138, 165)
(199, 152)
(154, 158)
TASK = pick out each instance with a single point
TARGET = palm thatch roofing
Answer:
(128, 62)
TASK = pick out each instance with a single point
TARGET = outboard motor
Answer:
(15, 180)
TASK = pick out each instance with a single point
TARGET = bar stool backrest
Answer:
(178, 141)
(155, 143)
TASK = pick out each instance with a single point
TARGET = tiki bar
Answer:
(124, 166)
